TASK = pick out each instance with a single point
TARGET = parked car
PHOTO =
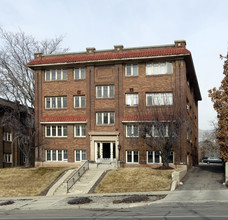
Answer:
(212, 160)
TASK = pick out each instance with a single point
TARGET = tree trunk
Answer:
(27, 161)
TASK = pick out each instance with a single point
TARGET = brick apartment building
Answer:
(10, 154)
(86, 103)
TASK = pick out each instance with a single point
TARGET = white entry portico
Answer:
(104, 146)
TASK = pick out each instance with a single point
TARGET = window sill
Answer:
(58, 109)
(79, 79)
(101, 98)
(132, 137)
(131, 106)
(131, 76)
(154, 75)
(105, 125)
(59, 80)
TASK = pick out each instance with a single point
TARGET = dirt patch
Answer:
(132, 199)
(10, 202)
(79, 201)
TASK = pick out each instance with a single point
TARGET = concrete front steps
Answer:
(84, 184)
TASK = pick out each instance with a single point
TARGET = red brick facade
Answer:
(10, 154)
(108, 69)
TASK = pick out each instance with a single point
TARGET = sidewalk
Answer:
(99, 201)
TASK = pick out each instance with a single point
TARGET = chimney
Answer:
(118, 48)
(90, 50)
(38, 55)
(180, 43)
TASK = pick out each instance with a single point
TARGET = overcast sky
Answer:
(132, 23)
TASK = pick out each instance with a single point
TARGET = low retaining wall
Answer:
(226, 173)
(177, 176)
(56, 164)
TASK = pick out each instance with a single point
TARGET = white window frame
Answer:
(131, 66)
(153, 131)
(132, 127)
(7, 158)
(63, 127)
(162, 68)
(132, 99)
(80, 101)
(56, 102)
(62, 72)
(80, 73)
(166, 131)
(81, 152)
(159, 99)
(80, 131)
(132, 157)
(160, 158)
(7, 136)
(102, 91)
(102, 118)
(57, 153)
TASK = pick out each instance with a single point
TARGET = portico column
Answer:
(111, 151)
(101, 150)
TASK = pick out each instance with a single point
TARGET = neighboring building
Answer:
(86, 103)
(10, 154)
(208, 144)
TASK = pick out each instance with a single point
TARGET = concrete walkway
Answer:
(84, 184)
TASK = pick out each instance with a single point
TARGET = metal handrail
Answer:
(77, 175)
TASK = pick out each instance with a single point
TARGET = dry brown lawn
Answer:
(135, 180)
(27, 182)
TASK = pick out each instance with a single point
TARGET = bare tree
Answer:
(209, 144)
(17, 81)
(21, 124)
(160, 129)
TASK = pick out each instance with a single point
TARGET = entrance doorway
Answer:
(105, 151)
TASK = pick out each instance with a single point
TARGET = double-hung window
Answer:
(155, 157)
(158, 130)
(7, 136)
(56, 155)
(79, 101)
(105, 118)
(55, 131)
(55, 74)
(7, 158)
(56, 102)
(159, 68)
(80, 155)
(79, 73)
(156, 99)
(132, 156)
(105, 91)
(80, 130)
(132, 99)
(132, 130)
(131, 70)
